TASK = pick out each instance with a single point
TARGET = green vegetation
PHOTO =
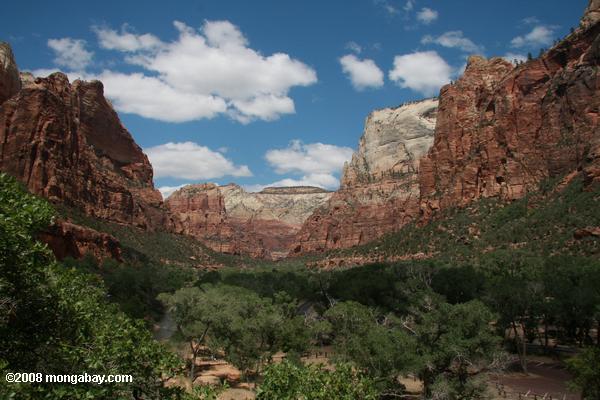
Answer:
(289, 381)
(542, 224)
(134, 286)
(246, 328)
(586, 373)
(58, 321)
(501, 278)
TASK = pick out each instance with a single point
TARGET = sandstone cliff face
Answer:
(69, 240)
(502, 130)
(66, 143)
(230, 220)
(380, 188)
(10, 83)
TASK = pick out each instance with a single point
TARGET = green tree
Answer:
(586, 374)
(246, 328)
(514, 292)
(454, 344)
(374, 343)
(289, 381)
(58, 321)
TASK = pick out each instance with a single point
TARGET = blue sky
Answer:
(263, 92)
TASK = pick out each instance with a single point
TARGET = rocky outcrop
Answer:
(66, 239)
(591, 15)
(379, 190)
(501, 130)
(10, 83)
(230, 220)
(65, 142)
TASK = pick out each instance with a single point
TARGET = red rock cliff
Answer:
(230, 220)
(66, 143)
(501, 130)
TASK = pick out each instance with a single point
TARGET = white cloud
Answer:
(362, 73)
(424, 72)
(317, 164)
(126, 41)
(387, 6)
(151, 97)
(192, 161)
(539, 36)
(511, 57)
(354, 47)
(409, 5)
(530, 21)
(267, 107)
(312, 158)
(427, 15)
(201, 74)
(166, 191)
(70, 53)
(453, 39)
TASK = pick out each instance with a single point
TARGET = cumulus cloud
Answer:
(191, 161)
(540, 35)
(124, 40)
(312, 158)
(70, 53)
(362, 73)
(424, 72)
(317, 164)
(453, 39)
(201, 74)
(151, 97)
(427, 15)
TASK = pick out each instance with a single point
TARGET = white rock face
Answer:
(394, 141)
(291, 206)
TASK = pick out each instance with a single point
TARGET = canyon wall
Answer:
(502, 130)
(379, 190)
(230, 220)
(65, 142)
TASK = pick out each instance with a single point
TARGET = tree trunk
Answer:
(520, 351)
(545, 335)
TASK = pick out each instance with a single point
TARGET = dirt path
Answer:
(544, 378)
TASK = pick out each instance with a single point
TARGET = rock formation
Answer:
(65, 142)
(501, 130)
(379, 190)
(10, 83)
(69, 240)
(230, 220)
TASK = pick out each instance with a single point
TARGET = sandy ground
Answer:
(546, 377)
